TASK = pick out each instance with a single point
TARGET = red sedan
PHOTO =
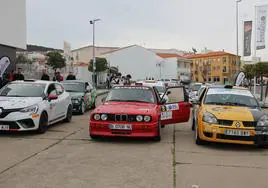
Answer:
(138, 111)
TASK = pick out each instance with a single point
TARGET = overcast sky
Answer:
(180, 24)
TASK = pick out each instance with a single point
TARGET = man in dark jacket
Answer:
(71, 76)
(19, 75)
(45, 76)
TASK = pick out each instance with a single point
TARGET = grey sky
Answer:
(180, 24)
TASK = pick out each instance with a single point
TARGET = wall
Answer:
(169, 68)
(13, 23)
(11, 53)
(135, 60)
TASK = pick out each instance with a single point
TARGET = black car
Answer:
(83, 95)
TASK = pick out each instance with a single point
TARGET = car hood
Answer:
(234, 112)
(126, 108)
(76, 94)
(18, 102)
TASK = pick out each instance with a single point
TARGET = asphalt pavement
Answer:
(65, 156)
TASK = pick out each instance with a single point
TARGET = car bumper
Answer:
(216, 133)
(18, 121)
(261, 137)
(138, 130)
(76, 107)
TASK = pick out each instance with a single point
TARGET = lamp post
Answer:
(237, 45)
(94, 57)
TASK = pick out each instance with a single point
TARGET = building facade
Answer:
(184, 68)
(13, 32)
(214, 67)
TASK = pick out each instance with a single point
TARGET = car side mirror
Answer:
(52, 97)
(163, 101)
(169, 92)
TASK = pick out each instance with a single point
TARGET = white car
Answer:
(33, 105)
(159, 85)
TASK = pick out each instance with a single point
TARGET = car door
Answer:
(177, 109)
(52, 104)
(61, 108)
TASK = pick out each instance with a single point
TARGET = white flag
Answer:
(261, 13)
(4, 63)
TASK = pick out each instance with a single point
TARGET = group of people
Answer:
(10, 76)
(117, 79)
(57, 76)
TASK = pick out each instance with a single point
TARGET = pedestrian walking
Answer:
(45, 75)
(19, 75)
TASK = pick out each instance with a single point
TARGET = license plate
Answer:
(121, 126)
(233, 132)
(4, 127)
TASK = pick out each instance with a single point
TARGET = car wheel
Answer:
(43, 123)
(198, 141)
(193, 124)
(69, 114)
(82, 108)
(158, 137)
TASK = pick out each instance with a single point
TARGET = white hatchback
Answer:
(33, 105)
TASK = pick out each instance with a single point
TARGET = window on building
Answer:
(219, 59)
(225, 80)
(178, 64)
(216, 79)
(224, 59)
(209, 79)
(224, 69)
(185, 65)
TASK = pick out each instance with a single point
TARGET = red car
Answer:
(138, 111)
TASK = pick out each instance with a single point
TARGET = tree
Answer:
(55, 60)
(101, 65)
(261, 70)
(249, 70)
(21, 59)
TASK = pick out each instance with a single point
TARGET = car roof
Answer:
(35, 81)
(223, 86)
(132, 86)
(73, 81)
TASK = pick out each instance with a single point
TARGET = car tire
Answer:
(69, 114)
(193, 125)
(82, 108)
(158, 137)
(198, 141)
(43, 123)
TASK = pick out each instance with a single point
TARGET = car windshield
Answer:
(230, 97)
(74, 87)
(131, 94)
(23, 90)
(196, 87)
(160, 89)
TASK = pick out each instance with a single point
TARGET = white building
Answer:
(13, 31)
(135, 60)
(184, 68)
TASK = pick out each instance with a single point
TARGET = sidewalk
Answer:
(102, 92)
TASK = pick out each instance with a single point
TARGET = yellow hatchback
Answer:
(229, 114)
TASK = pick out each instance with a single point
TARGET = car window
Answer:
(59, 89)
(176, 95)
(51, 89)
(23, 90)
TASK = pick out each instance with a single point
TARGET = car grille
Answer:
(242, 138)
(230, 122)
(121, 117)
(27, 123)
(5, 112)
(12, 125)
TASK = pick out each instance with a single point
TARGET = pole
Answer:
(237, 45)
(255, 49)
(94, 58)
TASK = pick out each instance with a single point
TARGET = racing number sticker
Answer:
(166, 115)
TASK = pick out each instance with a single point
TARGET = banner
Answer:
(247, 37)
(239, 78)
(261, 16)
(4, 63)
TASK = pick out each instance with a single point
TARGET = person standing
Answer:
(71, 76)
(10, 76)
(45, 75)
(19, 75)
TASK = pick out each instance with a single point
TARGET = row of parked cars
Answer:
(34, 104)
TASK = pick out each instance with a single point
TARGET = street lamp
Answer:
(237, 45)
(94, 57)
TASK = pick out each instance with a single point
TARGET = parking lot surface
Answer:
(65, 156)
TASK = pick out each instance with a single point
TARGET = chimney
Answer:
(223, 50)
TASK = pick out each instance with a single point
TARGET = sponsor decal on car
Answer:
(169, 107)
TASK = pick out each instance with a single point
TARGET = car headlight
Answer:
(104, 117)
(97, 117)
(139, 118)
(147, 118)
(209, 118)
(263, 121)
(31, 109)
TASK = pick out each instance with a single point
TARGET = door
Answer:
(61, 108)
(52, 104)
(177, 110)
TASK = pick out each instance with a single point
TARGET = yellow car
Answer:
(229, 114)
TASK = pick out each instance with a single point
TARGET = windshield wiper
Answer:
(216, 103)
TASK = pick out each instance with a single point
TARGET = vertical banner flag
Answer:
(261, 13)
(247, 37)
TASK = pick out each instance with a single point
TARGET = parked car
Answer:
(229, 114)
(33, 105)
(159, 85)
(83, 95)
(138, 111)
